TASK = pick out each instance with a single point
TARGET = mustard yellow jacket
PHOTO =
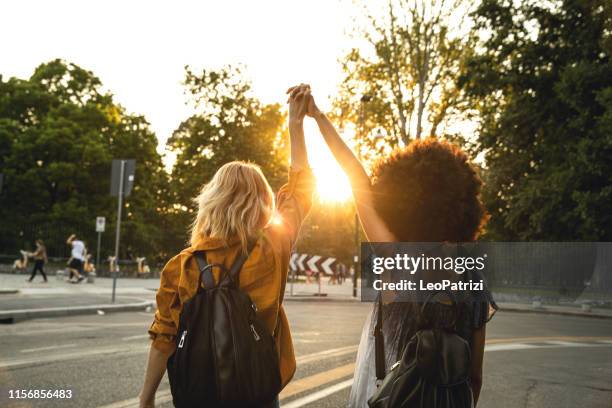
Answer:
(263, 276)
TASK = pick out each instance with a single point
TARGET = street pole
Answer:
(363, 100)
(356, 257)
(98, 252)
(118, 227)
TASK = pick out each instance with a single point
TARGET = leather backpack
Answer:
(225, 356)
(433, 371)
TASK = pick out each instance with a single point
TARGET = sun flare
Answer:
(332, 184)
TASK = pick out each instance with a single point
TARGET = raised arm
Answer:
(294, 198)
(297, 111)
(375, 228)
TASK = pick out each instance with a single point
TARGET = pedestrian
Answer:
(237, 220)
(40, 259)
(341, 273)
(425, 192)
(77, 259)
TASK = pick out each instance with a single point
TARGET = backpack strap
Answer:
(234, 271)
(379, 342)
(206, 280)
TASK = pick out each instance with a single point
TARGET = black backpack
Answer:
(433, 371)
(224, 357)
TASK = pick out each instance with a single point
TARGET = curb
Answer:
(9, 291)
(543, 310)
(14, 316)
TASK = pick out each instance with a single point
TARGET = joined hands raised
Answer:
(301, 103)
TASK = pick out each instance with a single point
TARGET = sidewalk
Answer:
(60, 298)
(21, 300)
(125, 286)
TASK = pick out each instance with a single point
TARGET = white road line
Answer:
(71, 328)
(542, 345)
(569, 343)
(305, 333)
(509, 346)
(61, 346)
(315, 396)
(326, 354)
(137, 337)
(74, 355)
(165, 396)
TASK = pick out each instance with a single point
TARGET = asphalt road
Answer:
(532, 360)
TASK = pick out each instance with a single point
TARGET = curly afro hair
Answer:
(429, 192)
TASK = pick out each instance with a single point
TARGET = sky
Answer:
(139, 49)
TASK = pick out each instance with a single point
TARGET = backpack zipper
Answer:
(255, 335)
(182, 342)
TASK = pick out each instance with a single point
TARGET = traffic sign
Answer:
(314, 263)
(100, 224)
(129, 168)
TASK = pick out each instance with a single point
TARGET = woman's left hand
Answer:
(298, 102)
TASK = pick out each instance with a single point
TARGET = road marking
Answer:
(328, 376)
(74, 355)
(326, 354)
(71, 328)
(291, 389)
(315, 396)
(569, 344)
(137, 337)
(549, 338)
(32, 350)
(509, 346)
(305, 333)
(316, 380)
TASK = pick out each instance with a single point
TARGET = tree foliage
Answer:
(407, 73)
(229, 124)
(59, 132)
(542, 84)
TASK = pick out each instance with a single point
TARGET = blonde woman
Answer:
(235, 207)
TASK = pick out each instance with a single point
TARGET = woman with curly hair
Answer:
(425, 192)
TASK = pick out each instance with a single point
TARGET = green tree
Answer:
(229, 124)
(408, 72)
(542, 84)
(58, 134)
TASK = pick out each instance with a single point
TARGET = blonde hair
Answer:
(237, 202)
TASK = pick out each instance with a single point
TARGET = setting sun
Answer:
(332, 183)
